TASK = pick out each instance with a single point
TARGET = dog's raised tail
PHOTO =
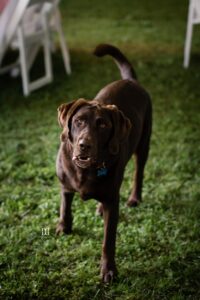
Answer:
(125, 67)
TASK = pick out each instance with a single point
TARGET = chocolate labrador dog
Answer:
(98, 139)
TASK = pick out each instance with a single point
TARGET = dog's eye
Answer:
(101, 124)
(79, 122)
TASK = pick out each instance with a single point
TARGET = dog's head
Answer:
(94, 131)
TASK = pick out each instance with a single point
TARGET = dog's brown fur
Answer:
(98, 139)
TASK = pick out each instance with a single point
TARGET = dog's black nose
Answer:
(84, 145)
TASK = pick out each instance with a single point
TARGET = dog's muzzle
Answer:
(83, 161)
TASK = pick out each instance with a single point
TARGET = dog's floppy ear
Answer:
(62, 112)
(65, 113)
(121, 128)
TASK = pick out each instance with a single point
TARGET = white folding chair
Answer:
(30, 29)
(193, 18)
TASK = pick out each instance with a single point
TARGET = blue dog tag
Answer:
(102, 172)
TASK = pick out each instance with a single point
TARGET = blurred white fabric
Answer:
(27, 25)
(7, 9)
(193, 18)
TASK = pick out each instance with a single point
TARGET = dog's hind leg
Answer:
(99, 209)
(140, 158)
(65, 220)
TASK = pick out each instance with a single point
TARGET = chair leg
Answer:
(64, 48)
(188, 39)
(27, 61)
(23, 61)
(47, 52)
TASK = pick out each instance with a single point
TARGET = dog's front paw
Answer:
(62, 228)
(108, 273)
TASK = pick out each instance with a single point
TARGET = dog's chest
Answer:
(91, 184)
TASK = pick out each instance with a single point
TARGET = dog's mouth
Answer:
(83, 161)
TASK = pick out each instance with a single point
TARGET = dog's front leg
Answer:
(110, 215)
(65, 220)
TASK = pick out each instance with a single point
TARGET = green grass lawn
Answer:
(158, 243)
